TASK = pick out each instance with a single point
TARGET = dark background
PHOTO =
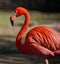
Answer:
(40, 5)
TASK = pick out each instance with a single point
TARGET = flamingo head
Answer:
(18, 11)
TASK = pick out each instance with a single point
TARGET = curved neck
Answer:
(25, 25)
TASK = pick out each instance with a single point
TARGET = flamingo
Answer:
(41, 40)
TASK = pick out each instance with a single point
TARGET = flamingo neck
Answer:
(25, 25)
(21, 32)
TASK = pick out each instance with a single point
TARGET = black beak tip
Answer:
(12, 22)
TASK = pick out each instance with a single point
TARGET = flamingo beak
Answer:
(12, 18)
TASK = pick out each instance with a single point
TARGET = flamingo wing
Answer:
(43, 41)
(38, 49)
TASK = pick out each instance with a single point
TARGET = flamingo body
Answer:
(43, 36)
(40, 40)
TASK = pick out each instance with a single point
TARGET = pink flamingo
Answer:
(41, 40)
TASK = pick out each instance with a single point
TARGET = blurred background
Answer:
(41, 5)
(42, 12)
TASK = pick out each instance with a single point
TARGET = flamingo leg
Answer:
(46, 61)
